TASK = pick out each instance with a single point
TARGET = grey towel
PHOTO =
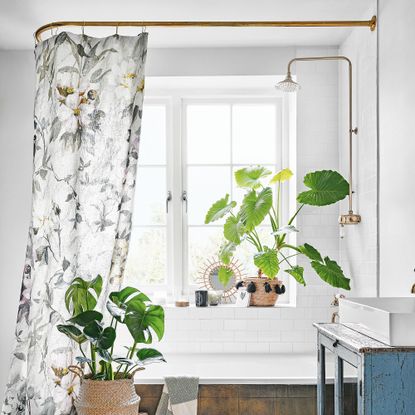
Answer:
(179, 396)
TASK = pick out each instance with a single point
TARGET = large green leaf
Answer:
(226, 252)
(101, 338)
(255, 207)
(219, 209)
(147, 356)
(326, 187)
(233, 230)
(267, 261)
(224, 275)
(127, 294)
(282, 176)
(250, 177)
(82, 295)
(143, 319)
(107, 338)
(330, 272)
(297, 272)
(118, 301)
(310, 252)
(72, 332)
(86, 317)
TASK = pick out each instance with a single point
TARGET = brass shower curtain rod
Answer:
(306, 23)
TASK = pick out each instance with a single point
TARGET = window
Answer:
(193, 140)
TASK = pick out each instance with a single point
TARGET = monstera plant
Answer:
(324, 188)
(96, 339)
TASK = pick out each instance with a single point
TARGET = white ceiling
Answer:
(20, 18)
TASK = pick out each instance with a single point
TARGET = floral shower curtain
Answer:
(88, 109)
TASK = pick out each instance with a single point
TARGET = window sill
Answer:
(229, 306)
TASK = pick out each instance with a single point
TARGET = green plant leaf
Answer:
(224, 275)
(255, 207)
(99, 337)
(86, 317)
(107, 338)
(297, 272)
(93, 330)
(326, 187)
(123, 361)
(143, 319)
(82, 295)
(226, 252)
(127, 294)
(118, 301)
(282, 176)
(147, 356)
(330, 272)
(250, 177)
(72, 332)
(83, 359)
(267, 261)
(285, 230)
(310, 252)
(233, 230)
(219, 209)
(117, 312)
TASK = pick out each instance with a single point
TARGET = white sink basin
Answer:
(388, 320)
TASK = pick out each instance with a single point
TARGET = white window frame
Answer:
(177, 92)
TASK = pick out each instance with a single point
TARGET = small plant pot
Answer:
(107, 397)
(262, 298)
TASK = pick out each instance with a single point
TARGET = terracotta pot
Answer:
(260, 297)
(99, 397)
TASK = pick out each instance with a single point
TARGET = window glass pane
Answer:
(146, 263)
(153, 135)
(208, 133)
(205, 186)
(254, 137)
(204, 243)
(150, 196)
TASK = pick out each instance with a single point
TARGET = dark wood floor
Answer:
(254, 399)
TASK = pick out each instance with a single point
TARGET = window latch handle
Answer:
(168, 199)
(184, 198)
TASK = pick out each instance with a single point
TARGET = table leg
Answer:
(338, 387)
(321, 379)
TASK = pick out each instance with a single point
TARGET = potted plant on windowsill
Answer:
(107, 385)
(325, 187)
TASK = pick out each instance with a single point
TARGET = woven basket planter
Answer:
(112, 397)
(260, 297)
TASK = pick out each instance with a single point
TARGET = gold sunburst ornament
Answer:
(209, 277)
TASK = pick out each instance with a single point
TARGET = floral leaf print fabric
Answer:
(88, 110)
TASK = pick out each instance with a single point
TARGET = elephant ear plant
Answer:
(96, 339)
(325, 187)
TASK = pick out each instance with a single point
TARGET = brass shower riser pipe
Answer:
(371, 24)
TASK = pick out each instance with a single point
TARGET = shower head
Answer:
(288, 84)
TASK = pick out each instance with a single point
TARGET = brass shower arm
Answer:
(350, 218)
(318, 58)
(371, 24)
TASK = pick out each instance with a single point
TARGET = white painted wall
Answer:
(358, 247)
(16, 132)
(396, 146)
(285, 330)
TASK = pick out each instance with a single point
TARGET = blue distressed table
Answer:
(385, 374)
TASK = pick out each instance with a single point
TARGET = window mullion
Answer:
(175, 173)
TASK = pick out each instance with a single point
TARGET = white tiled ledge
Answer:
(300, 369)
